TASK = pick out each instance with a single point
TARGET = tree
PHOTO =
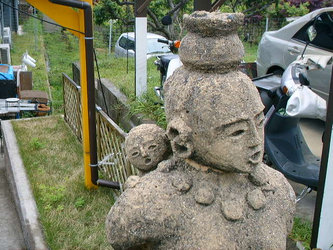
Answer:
(124, 12)
(311, 4)
(247, 7)
(281, 8)
(287, 9)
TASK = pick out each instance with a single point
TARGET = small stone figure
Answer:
(146, 145)
(215, 192)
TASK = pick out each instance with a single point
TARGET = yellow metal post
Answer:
(84, 105)
(74, 19)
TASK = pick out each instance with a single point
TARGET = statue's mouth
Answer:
(255, 158)
(147, 161)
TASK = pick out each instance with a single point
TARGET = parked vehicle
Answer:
(278, 49)
(285, 146)
(167, 64)
(125, 45)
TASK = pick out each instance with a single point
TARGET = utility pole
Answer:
(141, 46)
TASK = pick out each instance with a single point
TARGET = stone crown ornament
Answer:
(212, 43)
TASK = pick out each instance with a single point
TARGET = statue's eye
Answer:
(152, 147)
(237, 133)
(135, 154)
(233, 130)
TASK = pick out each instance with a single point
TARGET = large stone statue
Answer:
(215, 192)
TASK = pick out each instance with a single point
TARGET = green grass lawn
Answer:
(302, 230)
(250, 52)
(62, 50)
(72, 217)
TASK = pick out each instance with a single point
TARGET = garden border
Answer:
(20, 188)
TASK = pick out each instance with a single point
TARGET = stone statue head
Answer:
(214, 112)
(146, 145)
(217, 124)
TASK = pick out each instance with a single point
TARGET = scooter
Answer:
(285, 146)
(167, 64)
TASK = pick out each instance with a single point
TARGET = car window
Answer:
(324, 28)
(126, 43)
(155, 47)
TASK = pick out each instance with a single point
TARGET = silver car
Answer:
(277, 49)
(125, 45)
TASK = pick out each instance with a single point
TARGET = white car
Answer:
(125, 45)
(277, 49)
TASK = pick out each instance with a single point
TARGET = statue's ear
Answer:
(180, 136)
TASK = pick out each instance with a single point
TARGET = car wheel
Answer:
(278, 72)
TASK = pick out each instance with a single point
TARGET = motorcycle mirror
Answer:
(166, 20)
(312, 33)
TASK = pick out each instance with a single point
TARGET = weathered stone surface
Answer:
(212, 43)
(182, 183)
(233, 209)
(204, 195)
(131, 181)
(210, 111)
(214, 192)
(256, 199)
(259, 176)
(214, 24)
(155, 215)
(146, 145)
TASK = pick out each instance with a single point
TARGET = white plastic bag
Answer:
(306, 104)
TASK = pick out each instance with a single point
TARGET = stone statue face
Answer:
(146, 146)
(225, 121)
(235, 146)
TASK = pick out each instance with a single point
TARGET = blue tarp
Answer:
(6, 72)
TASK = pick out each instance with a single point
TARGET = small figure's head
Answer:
(146, 145)
(217, 124)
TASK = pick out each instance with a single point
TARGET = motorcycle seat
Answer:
(165, 60)
(269, 83)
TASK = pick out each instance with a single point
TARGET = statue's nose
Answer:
(143, 151)
(255, 137)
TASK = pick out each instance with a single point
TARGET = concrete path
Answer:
(11, 237)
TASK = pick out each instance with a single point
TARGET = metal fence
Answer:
(72, 105)
(253, 28)
(112, 162)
